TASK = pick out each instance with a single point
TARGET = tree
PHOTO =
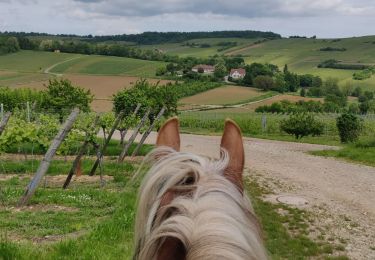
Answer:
(303, 92)
(220, 71)
(264, 82)
(302, 124)
(279, 83)
(349, 127)
(285, 70)
(61, 97)
(254, 70)
(292, 81)
(333, 93)
(148, 95)
(317, 82)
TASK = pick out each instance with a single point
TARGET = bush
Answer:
(302, 124)
(349, 127)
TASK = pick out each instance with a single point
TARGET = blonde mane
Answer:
(212, 218)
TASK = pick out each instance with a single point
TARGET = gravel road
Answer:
(341, 193)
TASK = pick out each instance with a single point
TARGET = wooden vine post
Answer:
(134, 135)
(125, 131)
(147, 133)
(96, 164)
(4, 122)
(77, 160)
(44, 165)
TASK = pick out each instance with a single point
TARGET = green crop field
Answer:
(28, 67)
(32, 61)
(102, 65)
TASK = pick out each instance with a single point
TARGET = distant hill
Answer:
(157, 37)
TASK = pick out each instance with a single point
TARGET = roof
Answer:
(203, 66)
(240, 71)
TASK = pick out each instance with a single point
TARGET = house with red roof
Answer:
(237, 73)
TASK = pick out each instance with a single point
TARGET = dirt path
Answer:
(344, 193)
(47, 70)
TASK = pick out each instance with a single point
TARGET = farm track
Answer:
(342, 194)
(47, 70)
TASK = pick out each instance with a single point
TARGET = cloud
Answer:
(241, 8)
(328, 18)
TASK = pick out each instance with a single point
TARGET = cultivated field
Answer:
(103, 87)
(102, 65)
(223, 96)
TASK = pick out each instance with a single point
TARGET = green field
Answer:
(32, 61)
(182, 50)
(102, 65)
(26, 66)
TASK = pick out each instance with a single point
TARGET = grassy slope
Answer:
(109, 66)
(29, 65)
(184, 51)
(302, 55)
(32, 61)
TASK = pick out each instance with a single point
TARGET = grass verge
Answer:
(362, 152)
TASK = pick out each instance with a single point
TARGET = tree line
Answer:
(8, 45)
(157, 37)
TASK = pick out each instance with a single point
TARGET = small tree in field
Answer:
(349, 127)
(302, 124)
(61, 96)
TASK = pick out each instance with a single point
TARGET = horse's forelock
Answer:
(186, 197)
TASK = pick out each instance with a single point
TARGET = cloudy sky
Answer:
(324, 18)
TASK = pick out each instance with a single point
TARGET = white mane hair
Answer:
(213, 220)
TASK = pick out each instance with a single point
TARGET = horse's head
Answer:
(192, 207)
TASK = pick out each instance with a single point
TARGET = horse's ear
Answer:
(169, 134)
(232, 142)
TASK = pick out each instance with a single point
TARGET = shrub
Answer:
(349, 127)
(302, 124)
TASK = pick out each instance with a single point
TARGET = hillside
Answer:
(301, 55)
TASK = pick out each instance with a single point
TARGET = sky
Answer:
(323, 18)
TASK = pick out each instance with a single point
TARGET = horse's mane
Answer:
(212, 218)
